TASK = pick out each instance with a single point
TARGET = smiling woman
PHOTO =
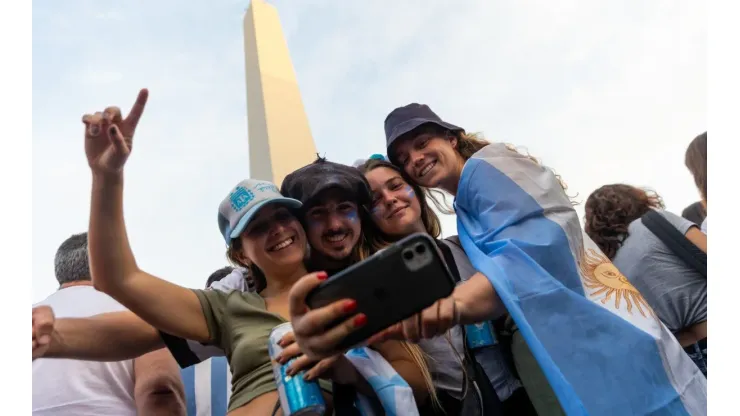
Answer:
(260, 228)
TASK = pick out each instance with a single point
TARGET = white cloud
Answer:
(601, 91)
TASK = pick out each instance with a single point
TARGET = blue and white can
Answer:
(480, 335)
(298, 397)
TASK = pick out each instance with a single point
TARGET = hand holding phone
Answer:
(364, 299)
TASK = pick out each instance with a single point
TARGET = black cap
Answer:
(404, 119)
(306, 183)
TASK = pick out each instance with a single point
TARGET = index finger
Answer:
(301, 289)
(138, 109)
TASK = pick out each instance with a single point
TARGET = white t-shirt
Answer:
(82, 388)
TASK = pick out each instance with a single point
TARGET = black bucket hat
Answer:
(404, 119)
(306, 183)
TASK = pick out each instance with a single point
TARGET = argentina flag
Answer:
(207, 387)
(600, 345)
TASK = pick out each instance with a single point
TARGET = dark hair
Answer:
(428, 217)
(218, 275)
(610, 210)
(696, 162)
(70, 262)
(255, 277)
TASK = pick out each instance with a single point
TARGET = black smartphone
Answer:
(390, 286)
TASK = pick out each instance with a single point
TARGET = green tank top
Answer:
(240, 324)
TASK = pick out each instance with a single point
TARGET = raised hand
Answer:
(109, 137)
(42, 327)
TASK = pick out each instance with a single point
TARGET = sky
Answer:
(601, 91)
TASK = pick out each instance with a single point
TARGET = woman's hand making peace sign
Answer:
(109, 137)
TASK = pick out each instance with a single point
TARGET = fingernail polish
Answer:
(349, 306)
(360, 320)
(321, 275)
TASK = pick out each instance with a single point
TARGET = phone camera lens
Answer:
(420, 249)
(408, 255)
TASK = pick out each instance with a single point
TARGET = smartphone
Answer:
(390, 286)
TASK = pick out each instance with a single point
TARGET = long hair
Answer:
(467, 145)
(430, 220)
(610, 210)
(696, 162)
(380, 240)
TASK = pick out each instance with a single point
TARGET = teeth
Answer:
(282, 245)
(427, 169)
(336, 238)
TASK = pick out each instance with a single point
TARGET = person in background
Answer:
(147, 385)
(695, 213)
(675, 291)
(696, 162)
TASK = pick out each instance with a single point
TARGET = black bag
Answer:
(681, 246)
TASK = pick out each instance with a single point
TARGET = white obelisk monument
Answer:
(280, 138)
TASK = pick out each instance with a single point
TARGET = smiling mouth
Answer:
(336, 238)
(427, 168)
(396, 211)
(282, 245)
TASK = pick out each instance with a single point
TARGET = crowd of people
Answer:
(606, 318)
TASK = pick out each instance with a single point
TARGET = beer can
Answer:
(480, 335)
(298, 397)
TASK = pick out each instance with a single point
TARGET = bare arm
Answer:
(158, 388)
(169, 307)
(112, 336)
(401, 359)
(698, 238)
(477, 300)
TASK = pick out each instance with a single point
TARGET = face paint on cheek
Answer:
(352, 216)
(375, 212)
(410, 191)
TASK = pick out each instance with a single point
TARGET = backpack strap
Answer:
(450, 260)
(676, 242)
(488, 396)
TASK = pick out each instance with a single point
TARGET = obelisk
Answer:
(280, 138)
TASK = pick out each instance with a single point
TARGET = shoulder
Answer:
(680, 223)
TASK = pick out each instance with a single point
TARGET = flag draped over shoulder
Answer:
(598, 342)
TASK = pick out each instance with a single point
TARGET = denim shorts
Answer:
(698, 354)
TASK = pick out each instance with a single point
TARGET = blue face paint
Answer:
(352, 216)
(375, 212)
(410, 191)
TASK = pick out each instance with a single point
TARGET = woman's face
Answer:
(429, 159)
(395, 207)
(274, 239)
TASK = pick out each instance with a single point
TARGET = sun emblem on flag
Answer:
(604, 278)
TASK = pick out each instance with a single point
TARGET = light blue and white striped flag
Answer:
(207, 387)
(394, 392)
(598, 342)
